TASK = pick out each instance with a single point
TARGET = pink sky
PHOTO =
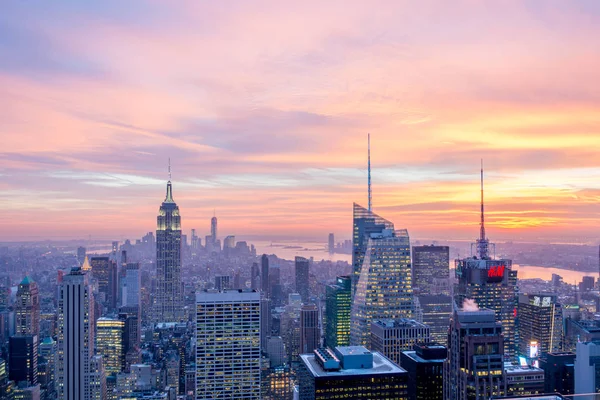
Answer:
(264, 109)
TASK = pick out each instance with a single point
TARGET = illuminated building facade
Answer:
(384, 287)
(168, 298)
(97, 379)
(474, 369)
(540, 325)
(431, 270)
(338, 298)
(27, 308)
(75, 336)
(392, 337)
(364, 223)
(278, 383)
(350, 373)
(228, 345)
(524, 380)
(436, 311)
(109, 344)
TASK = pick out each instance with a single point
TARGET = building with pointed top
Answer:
(86, 264)
(491, 283)
(168, 297)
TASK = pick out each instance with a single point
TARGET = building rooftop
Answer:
(512, 369)
(398, 323)
(227, 295)
(381, 365)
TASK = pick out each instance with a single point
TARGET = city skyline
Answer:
(92, 111)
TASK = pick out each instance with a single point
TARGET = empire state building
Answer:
(168, 297)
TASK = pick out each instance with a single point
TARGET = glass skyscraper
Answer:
(168, 298)
(364, 223)
(431, 269)
(338, 305)
(302, 266)
(384, 286)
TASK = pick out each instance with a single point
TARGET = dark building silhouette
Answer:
(302, 266)
(425, 367)
(23, 359)
(104, 271)
(559, 370)
(264, 276)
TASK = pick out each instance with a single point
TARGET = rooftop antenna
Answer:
(369, 168)
(482, 230)
(169, 169)
(482, 242)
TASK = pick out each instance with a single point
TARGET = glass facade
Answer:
(337, 308)
(384, 287)
(431, 270)
(364, 223)
(109, 344)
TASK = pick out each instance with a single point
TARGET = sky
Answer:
(264, 108)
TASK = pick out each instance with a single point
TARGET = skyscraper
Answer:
(213, 229)
(75, 336)
(228, 347)
(310, 334)
(364, 223)
(264, 276)
(425, 367)
(80, 255)
(350, 373)
(132, 295)
(540, 325)
(27, 308)
(168, 298)
(587, 369)
(491, 283)
(392, 337)
(338, 305)
(431, 270)
(436, 311)
(474, 369)
(331, 244)
(23, 359)
(254, 274)
(109, 344)
(104, 271)
(384, 288)
(302, 266)
(222, 282)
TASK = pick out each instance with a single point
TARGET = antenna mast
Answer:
(369, 168)
(169, 169)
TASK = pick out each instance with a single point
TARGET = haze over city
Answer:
(266, 121)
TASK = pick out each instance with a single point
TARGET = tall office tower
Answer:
(338, 303)
(491, 283)
(265, 322)
(133, 285)
(392, 337)
(425, 367)
(264, 276)
(436, 311)
(132, 329)
(384, 288)
(275, 288)
(104, 271)
(27, 308)
(6, 385)
(302, 266)
(115, 249)
(276, 351)
(168, 298)
(540, 325)
(195, 242)
(213, 229)
(109, 344)
(350, 373)
(229, 243)
(228, 348)
(310, 334)
(23, 359)
(222, 282)
(431, 270)
(97, 380)
(278, 383)
(75, 336)
(559, 373)
(331, 244)
(524, 380)
(474, 369)
(364, 223)
(80, 255)
(254, 274)
(587, 369)
(48, 353)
